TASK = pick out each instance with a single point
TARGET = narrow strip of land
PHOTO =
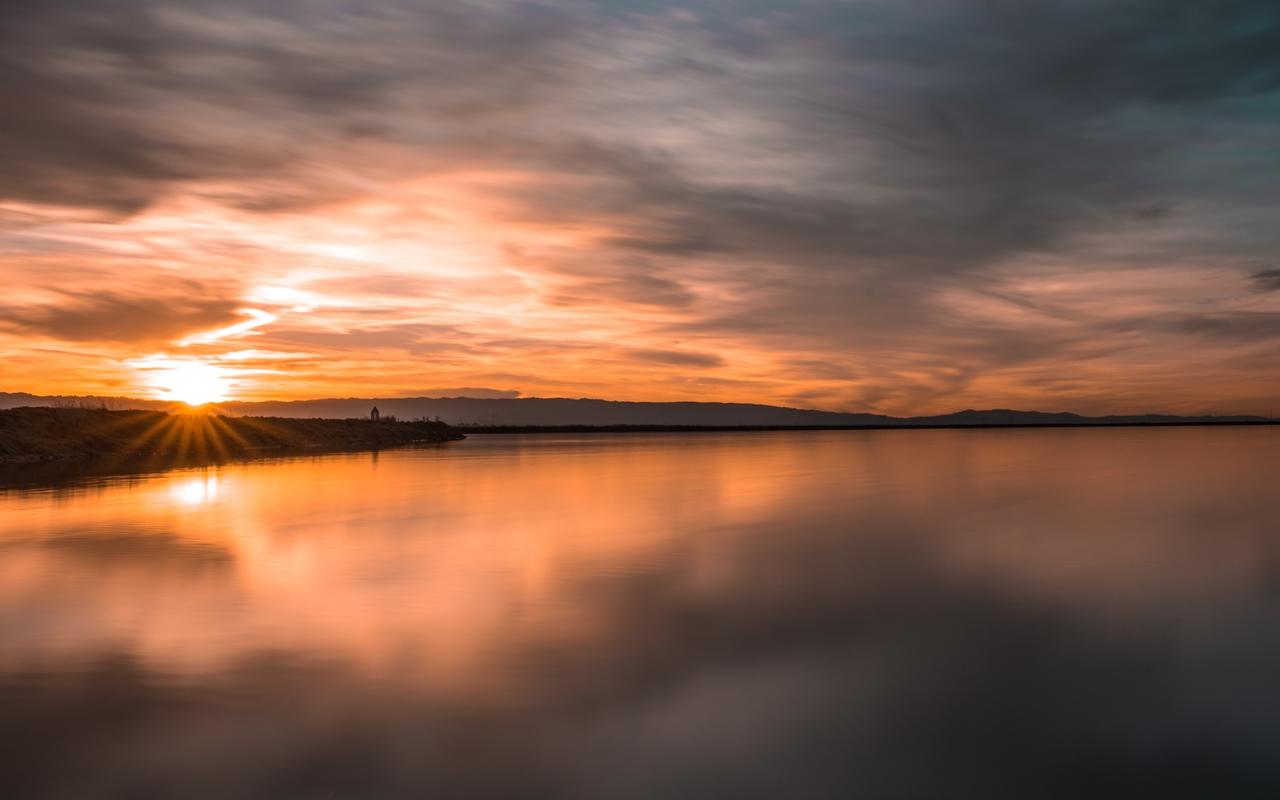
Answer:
(33, 434)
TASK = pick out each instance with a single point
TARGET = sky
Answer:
(899, 206)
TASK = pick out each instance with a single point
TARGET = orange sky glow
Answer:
(629, 206)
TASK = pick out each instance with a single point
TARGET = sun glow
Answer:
(192, 382)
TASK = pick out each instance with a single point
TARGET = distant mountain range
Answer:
(562, 412)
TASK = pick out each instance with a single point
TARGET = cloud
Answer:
(638, 289)
(116, 107)
(468, 391)
(1268, 280)
(1246, 326)
(678, 358)
(106, 317)
(75, 133)
(461, 185)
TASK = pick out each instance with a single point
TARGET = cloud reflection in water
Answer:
(1047, 613)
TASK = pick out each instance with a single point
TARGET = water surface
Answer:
(859, 614)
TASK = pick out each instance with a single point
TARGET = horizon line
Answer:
(392, 398)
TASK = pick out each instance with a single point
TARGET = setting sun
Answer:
(193, 383)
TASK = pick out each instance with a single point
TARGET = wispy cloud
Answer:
(256, 319)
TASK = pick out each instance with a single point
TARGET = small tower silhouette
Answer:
(375, 414)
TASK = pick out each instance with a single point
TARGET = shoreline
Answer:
(40, 435)
(54, 472)
(534, 429)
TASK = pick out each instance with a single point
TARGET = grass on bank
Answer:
(36, 434)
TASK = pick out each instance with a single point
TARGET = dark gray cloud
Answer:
(111, 105)
(108, 317)
(939, 137)
(928, 137)
(678, 358)
(80, 122)
(1242, 325)
(1268, 280)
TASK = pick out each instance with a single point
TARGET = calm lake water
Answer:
(881, 614)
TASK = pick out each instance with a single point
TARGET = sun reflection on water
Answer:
(194, 492)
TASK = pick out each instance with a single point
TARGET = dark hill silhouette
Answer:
(564, 412)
